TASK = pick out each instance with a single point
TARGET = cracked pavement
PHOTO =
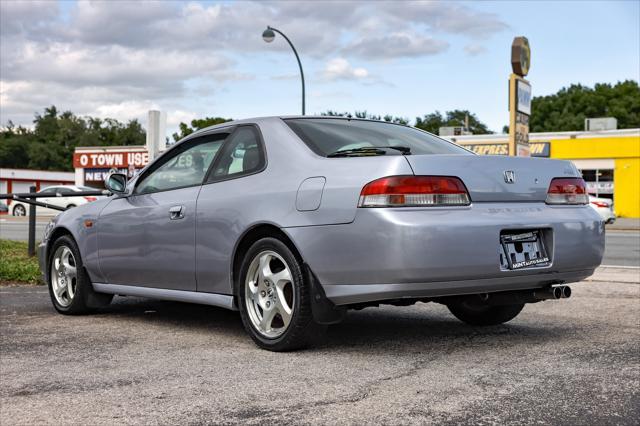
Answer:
(574, 361)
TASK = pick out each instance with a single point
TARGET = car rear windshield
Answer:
(328, 136)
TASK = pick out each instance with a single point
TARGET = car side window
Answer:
(48, 191)
(187, 166)
(242, 154)
(64, 191)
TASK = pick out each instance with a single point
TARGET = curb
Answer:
(616, 274)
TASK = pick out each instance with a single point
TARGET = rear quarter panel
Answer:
(227, 209)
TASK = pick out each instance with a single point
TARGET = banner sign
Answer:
(540, 149)
(519, 111)
(100, 175)
(537, 149)
(106, 160)
(524, 97)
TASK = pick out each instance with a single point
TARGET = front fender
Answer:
(80, 223)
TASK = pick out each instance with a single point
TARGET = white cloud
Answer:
(121, 57)
(341, 69)
(397, 45)
(474, 49)
(26, 17)
(450, 16)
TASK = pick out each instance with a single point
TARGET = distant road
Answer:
(622, 247)
(12, 228)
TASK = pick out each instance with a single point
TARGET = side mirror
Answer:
(116, 183)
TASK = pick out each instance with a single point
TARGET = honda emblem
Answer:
(509, 176)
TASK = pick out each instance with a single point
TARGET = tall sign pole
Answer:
(519, 98)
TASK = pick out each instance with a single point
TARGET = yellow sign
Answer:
(536, 149)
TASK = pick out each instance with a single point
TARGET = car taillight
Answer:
(567, 191)
(599, 204)
(414, 191)
(90, 198)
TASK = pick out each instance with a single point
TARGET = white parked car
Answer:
(60, 195)
(604, 207)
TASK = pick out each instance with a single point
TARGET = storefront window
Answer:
(599, 182)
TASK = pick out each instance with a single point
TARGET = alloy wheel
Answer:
(64, 275)
(269, 294)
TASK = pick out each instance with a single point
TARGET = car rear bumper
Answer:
(431, 252)
(350, 294)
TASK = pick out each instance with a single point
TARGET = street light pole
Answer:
(268, 36)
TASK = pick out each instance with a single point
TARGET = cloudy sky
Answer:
(193, 59)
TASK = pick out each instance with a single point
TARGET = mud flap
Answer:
(324, 310)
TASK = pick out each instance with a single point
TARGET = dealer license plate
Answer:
(522, 250)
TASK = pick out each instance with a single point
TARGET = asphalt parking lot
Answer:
(575, 361)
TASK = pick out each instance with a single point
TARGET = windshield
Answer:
(328, 136)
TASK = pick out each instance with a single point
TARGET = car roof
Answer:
(258, 120)
(60, 186)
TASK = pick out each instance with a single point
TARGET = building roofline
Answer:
(546, 135)
(118, 148)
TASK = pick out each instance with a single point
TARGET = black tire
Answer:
(19, 210)
(484, 315)
(70, 206)
(85, 299)
(302, 331)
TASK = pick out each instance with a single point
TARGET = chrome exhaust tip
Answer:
(548, 293)
(566, 291)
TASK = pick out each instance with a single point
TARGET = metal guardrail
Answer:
(30, 198)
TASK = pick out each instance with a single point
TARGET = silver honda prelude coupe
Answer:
(294, 220)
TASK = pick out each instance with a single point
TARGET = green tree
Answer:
(567, 109)
(51, 143)
(365, 115)
(197, 124)
(12, 145)
(456, 118)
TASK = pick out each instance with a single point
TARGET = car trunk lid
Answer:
(496, 178)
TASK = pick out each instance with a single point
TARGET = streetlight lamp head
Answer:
(268, 35)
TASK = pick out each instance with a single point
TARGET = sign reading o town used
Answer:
(106, 160)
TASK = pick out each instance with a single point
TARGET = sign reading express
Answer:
(106, 160)
(538, 149)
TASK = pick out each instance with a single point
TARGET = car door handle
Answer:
(176, 212)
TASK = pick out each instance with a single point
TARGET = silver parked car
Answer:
(292, 221)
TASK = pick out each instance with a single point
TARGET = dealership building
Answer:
(20, 180)
(609, 160)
